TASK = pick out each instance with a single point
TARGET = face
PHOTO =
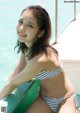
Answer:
(27, 28)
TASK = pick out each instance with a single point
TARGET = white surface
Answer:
(72, 69)
(69, 41)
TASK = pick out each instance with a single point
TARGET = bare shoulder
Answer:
(45, 62)
(22, 60)
(39, 62)
(53, 56)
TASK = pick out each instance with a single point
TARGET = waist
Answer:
(56, 94)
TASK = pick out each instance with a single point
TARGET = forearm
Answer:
(15, 72)
(6, 90)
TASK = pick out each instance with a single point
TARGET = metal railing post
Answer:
(56, 20)
(74, 9)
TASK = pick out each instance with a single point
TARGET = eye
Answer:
(29, 25)
(20, 21)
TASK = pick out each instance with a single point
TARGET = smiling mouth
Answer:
(22, 35)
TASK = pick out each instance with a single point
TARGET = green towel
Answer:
(22, 97)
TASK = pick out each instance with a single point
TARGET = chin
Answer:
(21, 40)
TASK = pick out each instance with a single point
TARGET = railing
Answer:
(56, 20)
(56, 17)
(74, 9)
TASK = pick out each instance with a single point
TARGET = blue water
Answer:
(9, 13)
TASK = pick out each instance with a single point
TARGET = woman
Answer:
(40, 60)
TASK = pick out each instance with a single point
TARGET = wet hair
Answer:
(44, 23)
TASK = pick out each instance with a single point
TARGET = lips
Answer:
(21, 34)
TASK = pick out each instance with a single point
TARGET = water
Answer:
(9, 14)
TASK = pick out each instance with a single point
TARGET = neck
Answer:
(28, 45)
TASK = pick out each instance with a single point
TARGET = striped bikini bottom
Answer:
(53, 103)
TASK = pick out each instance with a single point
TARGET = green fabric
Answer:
(22, 97)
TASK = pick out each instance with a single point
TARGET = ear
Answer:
(40, 34)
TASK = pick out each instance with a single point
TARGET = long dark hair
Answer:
(44, 23)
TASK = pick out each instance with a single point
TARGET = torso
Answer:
(58, 86)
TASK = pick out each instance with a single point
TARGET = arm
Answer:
(33, 67)
(7, 88)
(20, 66)
(27, 74)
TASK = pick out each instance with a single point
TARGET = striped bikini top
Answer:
(48, 74)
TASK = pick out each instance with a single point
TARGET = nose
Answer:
(22, 27)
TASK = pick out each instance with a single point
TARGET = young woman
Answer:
(40, 60)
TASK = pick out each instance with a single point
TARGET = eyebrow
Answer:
(31, 22)
(28, 22)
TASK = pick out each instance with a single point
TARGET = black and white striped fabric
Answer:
(48, 74)
(53, 103)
